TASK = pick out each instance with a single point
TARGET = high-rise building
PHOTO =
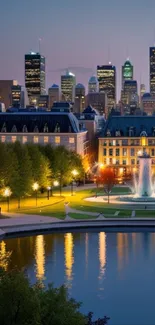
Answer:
(68, 82)
(17, 96)
(152, 71)
(35, 76)
(97, 101)
(5, 91)
(79, 102)
(129, 91)
(127, 72)
(106, 75)
(53, 94)
(92, 85)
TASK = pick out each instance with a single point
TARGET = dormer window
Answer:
(108, 133)
(117, 133)
(36, 130)
(24, 130)
(14, 129)
(143, 134)
(131, 131)
(46, 128)
(57, 128)
(3, 129)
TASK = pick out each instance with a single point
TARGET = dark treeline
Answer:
(24, 164)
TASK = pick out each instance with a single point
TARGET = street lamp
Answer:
(74, 174)
(48, 192)
(35, 188)
(7, 193)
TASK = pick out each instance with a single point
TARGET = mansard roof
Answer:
(51, 122)
(125, 126)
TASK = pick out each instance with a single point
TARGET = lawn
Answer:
(54, 207)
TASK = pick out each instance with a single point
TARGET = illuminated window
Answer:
(144, 141)
(3, 138)
(35, 139)
(124, 152)
(124, 162)
(71, 140)
(14, 138)
(45, 139)
(57, 139)
(24, 139)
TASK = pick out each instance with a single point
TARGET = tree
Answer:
(22, 181)
(107, 179)
(21, 303)
(7, 165)
(41, 171)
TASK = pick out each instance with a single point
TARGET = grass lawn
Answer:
(80, 216)
(54, 207)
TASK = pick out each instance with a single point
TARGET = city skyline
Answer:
(79, 36)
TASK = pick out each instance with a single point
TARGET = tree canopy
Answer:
(21, 303)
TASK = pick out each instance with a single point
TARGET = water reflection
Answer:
(4, 256)
(40, 257)
(86, 250)
(69, 256)
(102, 253)
(122, 249)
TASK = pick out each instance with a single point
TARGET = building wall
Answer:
(72, 141)
(122, 152)
(5, 91)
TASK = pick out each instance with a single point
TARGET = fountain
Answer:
(144, 186)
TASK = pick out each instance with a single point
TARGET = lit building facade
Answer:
(129, 92)
(53, 95)
(34, 76)
(58, 127)
(152, 71)
(123, 140)
(106, 75)
(17, 96)
(68, 82)
(93, 85)
(127, 72)
(142, 92)
(79, 101)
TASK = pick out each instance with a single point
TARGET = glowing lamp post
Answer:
(48, 192)
(56, 183)
(7, 193)
(35, 188)
(74, 174)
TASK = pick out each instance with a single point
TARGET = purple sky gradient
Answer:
(77, 33)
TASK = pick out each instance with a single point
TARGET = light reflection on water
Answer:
(111, 273)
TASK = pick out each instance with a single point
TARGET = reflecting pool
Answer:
(112, 273)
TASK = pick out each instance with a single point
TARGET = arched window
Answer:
(57, 128)
(45, 128)
(3, 129)
(14, 129)
(24, 130)
(36, 130)
(143, 134)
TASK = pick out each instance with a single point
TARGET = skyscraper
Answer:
(79, 102)
(5, 91)
(35, 76)
(92, 85)
(68, 82)
(106, 75)
(17, 96)
(127, 72)
(53, 93)
(152, 71)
